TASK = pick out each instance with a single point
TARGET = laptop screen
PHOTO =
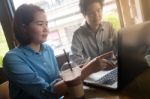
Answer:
(133, 47)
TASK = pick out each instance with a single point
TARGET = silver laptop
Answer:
(107, 79)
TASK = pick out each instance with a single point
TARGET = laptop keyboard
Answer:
(109, 78)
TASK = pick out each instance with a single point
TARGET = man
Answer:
(94, 37)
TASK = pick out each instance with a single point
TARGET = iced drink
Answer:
(73, 82)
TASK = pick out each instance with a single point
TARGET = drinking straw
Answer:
(67, 60)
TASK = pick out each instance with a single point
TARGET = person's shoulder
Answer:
(106, 23)
(47, 47)
(49, 50)
(78, 30)
(13, 53)
(81, 28)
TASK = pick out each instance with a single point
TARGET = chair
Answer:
(4, 90)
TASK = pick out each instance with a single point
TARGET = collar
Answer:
(86, 26)
(29, 51)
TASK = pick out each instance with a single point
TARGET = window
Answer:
(3, 45)
(64, 18)
(110, 13)
(131, 12)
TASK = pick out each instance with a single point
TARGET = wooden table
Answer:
(101, 93)
(139, 88)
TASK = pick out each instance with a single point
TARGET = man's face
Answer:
(93, 14)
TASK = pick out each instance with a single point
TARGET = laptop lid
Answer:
(133, 46)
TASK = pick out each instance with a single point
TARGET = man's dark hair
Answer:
(23, 17)
(85, 3)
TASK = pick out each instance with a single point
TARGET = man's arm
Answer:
(76, 55)
(97, 64)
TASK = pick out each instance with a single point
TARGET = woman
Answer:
(31, 67)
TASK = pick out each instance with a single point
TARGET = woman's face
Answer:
(38, 28)
(94, 14)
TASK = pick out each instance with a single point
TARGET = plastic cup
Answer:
(73, 81)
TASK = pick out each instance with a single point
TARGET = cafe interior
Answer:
(133, 76)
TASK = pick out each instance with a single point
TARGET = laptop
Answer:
(131, 61)
(133, 47)
(105, 79)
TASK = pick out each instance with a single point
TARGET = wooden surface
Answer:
(100, 93)
(139, 88)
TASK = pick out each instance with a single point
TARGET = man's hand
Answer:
(97, 64)
(101, 62)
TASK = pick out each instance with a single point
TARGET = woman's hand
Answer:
(60, 88)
